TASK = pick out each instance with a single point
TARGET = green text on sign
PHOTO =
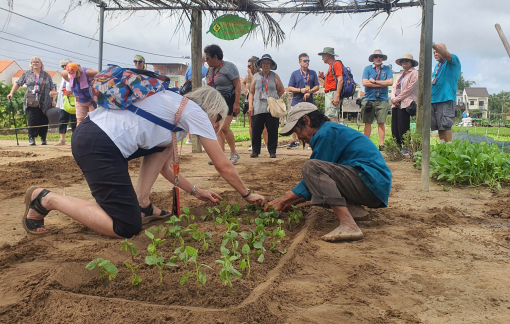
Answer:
(230, 27)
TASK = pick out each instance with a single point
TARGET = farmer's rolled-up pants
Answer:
(332, 184)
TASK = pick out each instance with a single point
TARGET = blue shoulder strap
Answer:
(156, 120)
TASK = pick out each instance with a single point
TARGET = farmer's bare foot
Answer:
(344, 233)
(32, 214)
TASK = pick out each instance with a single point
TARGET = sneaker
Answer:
(292, 146)
(249, 149)
(309, 147)
(381, 148)
(188, 142)
(31, 141)
(254, 155)
(43, 141)
(234, 157)
(405, 151)
(272, 155)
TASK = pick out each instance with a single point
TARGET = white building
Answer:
(476, 99)
(7, 70)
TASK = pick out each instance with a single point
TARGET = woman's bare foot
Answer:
(344, 233)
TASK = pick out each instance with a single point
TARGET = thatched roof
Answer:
(259, 11)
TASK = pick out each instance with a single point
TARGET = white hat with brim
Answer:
(267, 57)
(407, 57)
(298, 111)
(377, 52)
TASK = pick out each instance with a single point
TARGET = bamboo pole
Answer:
(503, 38)
(196, 63)
(426, 93)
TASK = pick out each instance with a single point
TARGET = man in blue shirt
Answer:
(303, 84)
(376, 79)
(187, 75)
(345, 168)
(444, 91)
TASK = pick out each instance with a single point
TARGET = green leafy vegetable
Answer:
(105, 267)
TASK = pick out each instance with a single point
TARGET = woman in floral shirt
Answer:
(37, 99)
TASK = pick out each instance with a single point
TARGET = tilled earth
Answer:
(431, 257)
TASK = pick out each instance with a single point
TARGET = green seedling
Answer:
(245, 262)
(136, 280)
(158, 230)
(206, 240)
(104, 266)
(253, 208)
(187, 214)
(152, 248)
(272, 248)
(159, 262)
(223, 203)
(229, 237)
(278, 232)
(295, 216)
(253, 237)
(175, 230)
(236, 209)
(200, 276)
(127, 246)
(218, 221)
(193, 228)
(227, 268)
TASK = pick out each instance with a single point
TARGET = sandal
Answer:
(149, 210)
(60, 143)
(30, 225)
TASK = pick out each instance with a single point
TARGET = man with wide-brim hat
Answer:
(403, 98)
(377, 77)
(345, 171)
(333, 84)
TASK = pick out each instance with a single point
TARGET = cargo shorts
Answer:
(379, 111)
(442, 115)
(330, 110)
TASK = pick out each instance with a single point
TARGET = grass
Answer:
(504, 132)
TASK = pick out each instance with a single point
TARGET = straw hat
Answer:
(267, 57)
(407, 57)
(377, 52)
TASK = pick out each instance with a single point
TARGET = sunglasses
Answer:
(63, 66)
(306, 61)
(378, 56)
(405, 61)
(218, 118)
(249, 66)
(138, 61)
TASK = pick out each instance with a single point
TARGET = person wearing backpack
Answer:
(333, 84)
(79, 80)
(109, 137)
(377, 77)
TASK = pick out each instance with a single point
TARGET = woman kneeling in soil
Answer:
(345, 170)
(107, 139)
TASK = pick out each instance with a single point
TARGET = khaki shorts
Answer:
(330, 110)
(442, 115)
(379, 111)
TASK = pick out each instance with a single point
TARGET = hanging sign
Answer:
(230, 27)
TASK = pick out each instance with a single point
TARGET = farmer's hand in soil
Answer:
(208, 196)
(285, 202)
(256, 199)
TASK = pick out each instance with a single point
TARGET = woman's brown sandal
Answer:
(30, 225)
(149, 211)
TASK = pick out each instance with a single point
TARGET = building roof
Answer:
(20, 72)
(477, 92)
(5, 64)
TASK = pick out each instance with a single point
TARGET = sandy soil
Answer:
(431, 257)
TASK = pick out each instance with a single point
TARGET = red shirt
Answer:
(329, 81)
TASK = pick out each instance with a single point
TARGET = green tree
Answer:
(499, 101)
(463, 83)
(5, 106)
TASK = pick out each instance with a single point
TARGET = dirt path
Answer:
(436, 257)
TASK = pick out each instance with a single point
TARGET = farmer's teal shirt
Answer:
(445, 88)
(343, 145)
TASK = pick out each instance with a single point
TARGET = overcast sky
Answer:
(466, 26)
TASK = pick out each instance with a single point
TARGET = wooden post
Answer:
(426, 92)
(196, 63)
(421, 76)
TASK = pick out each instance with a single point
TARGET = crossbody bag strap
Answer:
(156, 120)
(184, 101)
